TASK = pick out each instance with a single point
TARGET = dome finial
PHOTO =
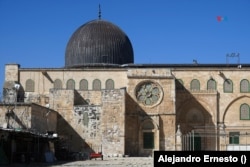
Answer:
(99, 13)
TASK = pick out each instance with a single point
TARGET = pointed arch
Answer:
(148, 134)
(230, 104)
(204, 106)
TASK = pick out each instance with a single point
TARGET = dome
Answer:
(98, 42)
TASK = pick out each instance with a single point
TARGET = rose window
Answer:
(148, 93)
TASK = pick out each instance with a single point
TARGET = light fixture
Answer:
(17, 86)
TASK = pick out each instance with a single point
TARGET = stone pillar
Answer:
(222, 137)
(178, 138)
(11, 72)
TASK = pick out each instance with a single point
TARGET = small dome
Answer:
(98, 42)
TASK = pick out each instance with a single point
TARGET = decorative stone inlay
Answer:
(148, 93)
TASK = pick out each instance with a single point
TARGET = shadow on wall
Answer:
(21, 94)
(79, 100)
(136, 122)
(68, 138)
(196, 122)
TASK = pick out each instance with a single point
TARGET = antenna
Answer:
(232, 55)
(99, 13)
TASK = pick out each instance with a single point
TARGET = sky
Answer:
(34, 33)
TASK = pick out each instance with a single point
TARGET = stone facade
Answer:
(161, 114)
(134, 110)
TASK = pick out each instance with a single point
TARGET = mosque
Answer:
(100, 101)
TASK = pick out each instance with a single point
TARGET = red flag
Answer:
(220, 18)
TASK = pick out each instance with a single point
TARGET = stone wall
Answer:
(188, 108)
(219, 75)
(15, 116)
(217, 107)
(43, 119)
(30, 117)
(113, 122)
(95, 125)
(44, 78)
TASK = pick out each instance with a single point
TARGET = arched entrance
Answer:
(198, 132)
(148, 138)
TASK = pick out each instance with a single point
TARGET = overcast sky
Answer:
(34, 33)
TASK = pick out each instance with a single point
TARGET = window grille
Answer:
(244, 112)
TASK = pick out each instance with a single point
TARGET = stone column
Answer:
(178, 138)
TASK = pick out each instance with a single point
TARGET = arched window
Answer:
(70, 84)
(179, 84)
(211, 84)
(83, 84)
(244, 86)
(58, 84)
(96, 84)
(30, 85)
(228, 86)
(244, 112)
(195, 84)
(110, 84)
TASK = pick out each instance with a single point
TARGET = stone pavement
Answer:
(106, 162)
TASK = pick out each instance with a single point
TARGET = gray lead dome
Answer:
(98, 42)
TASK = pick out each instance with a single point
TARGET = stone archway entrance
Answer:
(148, 138)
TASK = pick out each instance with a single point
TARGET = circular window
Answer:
(148, 93)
